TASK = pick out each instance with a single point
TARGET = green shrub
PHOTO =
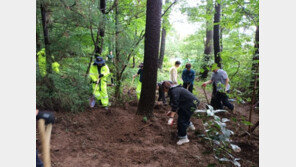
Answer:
(71, 89)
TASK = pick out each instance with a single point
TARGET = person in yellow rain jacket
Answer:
(99, 70)
(139, 86)
(42, 63)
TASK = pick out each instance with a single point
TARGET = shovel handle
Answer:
(204, 90)
(45, 133)
(188, 85)
(96, 86)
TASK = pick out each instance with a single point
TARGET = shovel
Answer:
(188, 86)
(204, 90)
(45, 133)
(92, 100)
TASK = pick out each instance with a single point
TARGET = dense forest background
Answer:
(74, 31)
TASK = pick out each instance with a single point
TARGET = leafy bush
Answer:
(218, 136)
(71, 89)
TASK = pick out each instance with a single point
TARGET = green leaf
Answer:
(247, 123)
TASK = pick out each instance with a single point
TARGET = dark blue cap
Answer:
(99, 60)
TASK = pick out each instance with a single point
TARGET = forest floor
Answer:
(120, 138)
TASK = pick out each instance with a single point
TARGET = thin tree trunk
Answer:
(44, 16)
(101, 29)
(134, 62)
(151, 49)
(255, 79)
(38, 44)
(117, 58)
(209, 42)
(255, 64)
(162, 47)
(216, 37)
(47, 80)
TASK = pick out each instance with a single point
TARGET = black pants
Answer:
(219, 99)
(161, 96)
(190, 88)
(184, 115)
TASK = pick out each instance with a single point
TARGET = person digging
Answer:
(185, 103)
(161, 94)
(99, 73)
(139, 86)
(220, 82)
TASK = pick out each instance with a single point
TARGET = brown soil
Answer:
(120, 138)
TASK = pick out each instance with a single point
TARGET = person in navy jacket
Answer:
(188, 76)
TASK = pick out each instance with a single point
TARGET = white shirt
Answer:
(173, 75)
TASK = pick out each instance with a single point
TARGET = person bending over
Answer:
(185, 103)
(161, 94)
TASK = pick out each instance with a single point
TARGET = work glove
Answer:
(171, 121)
(204, 84)
(47, 116)
(101, 75)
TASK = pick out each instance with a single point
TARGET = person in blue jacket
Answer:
(188, 76)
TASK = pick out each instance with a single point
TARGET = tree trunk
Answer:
(44, 17)
(162, 47)
(255, 77)
(207, 53)
(255, 64)
(38, 44)
(208, 43)
(216, 37)
(117, 58)
(134, 62)
(151, 49)
(101, 29)
(47, 80)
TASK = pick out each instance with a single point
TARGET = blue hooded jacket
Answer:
(188, 76)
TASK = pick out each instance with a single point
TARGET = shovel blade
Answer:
(92, 102)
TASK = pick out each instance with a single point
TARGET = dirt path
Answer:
(120, 138)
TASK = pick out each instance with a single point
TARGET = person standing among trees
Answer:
(185, 103)
(188, 76)
(221, 86)
(174, 72)
(100, 71)
(110, 57)
(139, 86)
(41, 61)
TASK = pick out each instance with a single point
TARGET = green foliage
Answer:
(71, 90)
(217, 135)
(71, 44)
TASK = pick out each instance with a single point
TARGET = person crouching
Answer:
(185, 103)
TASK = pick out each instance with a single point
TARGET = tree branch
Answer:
(169, 7)
(247, 13)
(115, 3)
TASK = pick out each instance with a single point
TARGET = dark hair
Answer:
(141, 65)
(166, 85)
(177, 62)
(188, 65)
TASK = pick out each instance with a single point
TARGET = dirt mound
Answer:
(120, 138)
